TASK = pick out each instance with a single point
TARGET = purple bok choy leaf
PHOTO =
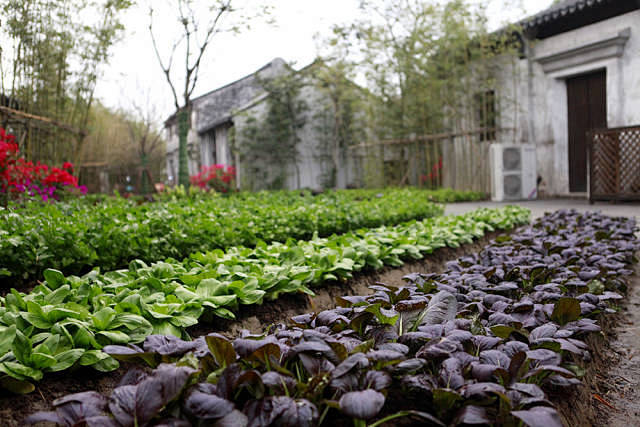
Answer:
(539, 416)
(138, 404)
(87, 408)
(441, 308)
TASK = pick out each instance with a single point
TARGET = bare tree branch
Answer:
(194, 50)
(166, 70)
(212, 29)
(141, 126)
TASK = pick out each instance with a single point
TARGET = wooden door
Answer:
(587, 102)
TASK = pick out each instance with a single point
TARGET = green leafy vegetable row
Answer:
(67, 320)
(76, 236)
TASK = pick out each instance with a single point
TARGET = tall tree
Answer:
(197, 28)
(51, 60)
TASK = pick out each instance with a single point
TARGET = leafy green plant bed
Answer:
(66, 321)
(76, 236)
(478, 344)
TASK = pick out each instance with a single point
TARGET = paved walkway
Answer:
(539, 207)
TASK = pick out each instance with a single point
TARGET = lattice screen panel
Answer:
(615, 164)
(629, 143)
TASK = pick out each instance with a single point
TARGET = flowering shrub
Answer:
(434, 175)
(219, 178)
(19, 177)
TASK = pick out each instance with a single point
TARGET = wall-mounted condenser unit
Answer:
(513, 172)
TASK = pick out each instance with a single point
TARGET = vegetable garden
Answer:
(75, 236)
(492, 339)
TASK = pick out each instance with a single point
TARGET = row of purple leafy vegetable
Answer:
(482, 343)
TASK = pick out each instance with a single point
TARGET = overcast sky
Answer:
(133, 72)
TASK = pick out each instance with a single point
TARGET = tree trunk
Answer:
(145, 176)
(183, 161)
(337, 140)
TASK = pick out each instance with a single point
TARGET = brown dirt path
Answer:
(620, 384)
(610, 390)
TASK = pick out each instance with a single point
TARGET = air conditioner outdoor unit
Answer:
(513, 172)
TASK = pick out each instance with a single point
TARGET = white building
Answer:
(212, 119)
(580, 70)
(220, 117)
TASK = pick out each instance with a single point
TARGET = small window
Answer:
(485, 111)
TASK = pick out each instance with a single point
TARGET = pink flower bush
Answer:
(218, 178)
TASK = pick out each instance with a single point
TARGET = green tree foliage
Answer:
(424, 61)
(51, 58)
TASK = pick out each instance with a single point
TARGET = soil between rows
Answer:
(610, 390)
(14, 408)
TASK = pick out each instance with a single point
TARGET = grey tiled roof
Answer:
(561, 9)
(217, 107)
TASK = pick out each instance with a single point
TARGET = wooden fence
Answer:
(458, 160)
(41, 138)
(614, 164)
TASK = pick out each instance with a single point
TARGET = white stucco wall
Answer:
(240, 121)
(540, 114)
(315, 144)
(312, 166)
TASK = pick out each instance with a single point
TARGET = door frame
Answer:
(554, 63)
(551, 113)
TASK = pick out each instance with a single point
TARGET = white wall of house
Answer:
(306, 173)
(256, 111)
(315, 150)
(312, 166)
(540, 115)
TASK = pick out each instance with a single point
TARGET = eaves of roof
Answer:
(560, 10)
(213, 125)
(248, 76)
(567, 15)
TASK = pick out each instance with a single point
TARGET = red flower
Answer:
(18, 175)
(216, 177)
